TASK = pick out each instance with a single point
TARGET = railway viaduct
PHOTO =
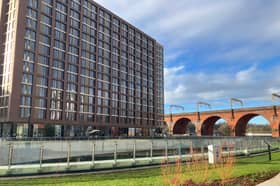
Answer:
(237, 120)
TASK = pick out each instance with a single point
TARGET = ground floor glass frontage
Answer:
(24, 130)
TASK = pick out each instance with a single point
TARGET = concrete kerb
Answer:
(275, 181)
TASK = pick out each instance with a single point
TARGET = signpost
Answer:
(214, 154)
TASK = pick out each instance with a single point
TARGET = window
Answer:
(46, 9)
(26, 89)
(57, 84)
(74, 23)
(31, 13)
(24, 112)
(30, 23)
(44, 50)
(55, 115)
(60, 17)
(46, 19)
(56, 74)
(61, 7)
(29, 34)
(28, 67)
(74, 32)
(58, 64)
(42, 81)
(29, 45)
(27, 78)
(72, 68)
(59, 55)
(44, 29)
(43, 60)
(43, 71)
(60, 45)
(60, 35)
(42, 92)
(33, 3)
(41, 114)
(75, 14)
(45, 39)
(42, 103)
(25, 101)
(60, 25)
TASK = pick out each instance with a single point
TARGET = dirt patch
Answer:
(249, 180)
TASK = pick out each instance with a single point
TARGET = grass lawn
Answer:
(153, 176)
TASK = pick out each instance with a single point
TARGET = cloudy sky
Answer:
(214, 49)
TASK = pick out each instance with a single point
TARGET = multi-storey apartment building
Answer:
(71, 65)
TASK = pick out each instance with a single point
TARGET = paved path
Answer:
(272, 182)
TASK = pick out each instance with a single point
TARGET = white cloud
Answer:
(246, 75)
(171, 57)
(252, 84)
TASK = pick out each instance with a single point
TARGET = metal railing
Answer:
(92, 151)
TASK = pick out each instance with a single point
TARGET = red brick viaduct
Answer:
(237, 120)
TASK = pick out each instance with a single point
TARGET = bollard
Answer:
(68, 154)
(10, 156)
(115, 153)
(41, 156)
(179, 151)
(166, 150)
(93, 154)
(151, 151)
(134, 152)
(191, 149)
(202, 152)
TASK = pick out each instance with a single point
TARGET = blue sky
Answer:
(214, 49)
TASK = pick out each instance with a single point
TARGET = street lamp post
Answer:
(274, 96)
(174, 106)
(198, 106)
(232, 100)
(170, 110)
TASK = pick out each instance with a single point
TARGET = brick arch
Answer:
(207, 126)
(242, 123)
(180, 126)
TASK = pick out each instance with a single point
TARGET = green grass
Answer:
(243, 167)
